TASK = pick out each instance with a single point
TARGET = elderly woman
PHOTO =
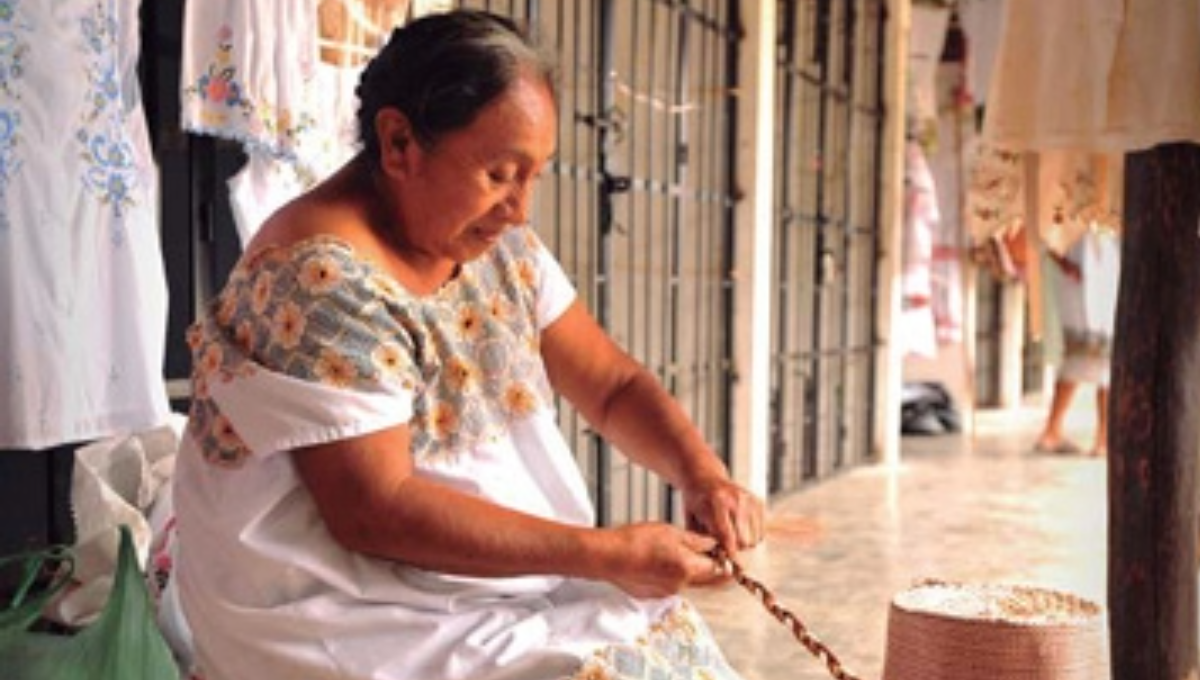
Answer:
(373, 484)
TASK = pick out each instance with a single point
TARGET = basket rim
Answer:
(1089, 612)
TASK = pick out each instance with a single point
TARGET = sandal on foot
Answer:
(1061, 448)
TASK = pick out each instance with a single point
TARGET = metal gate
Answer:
(828, 169)
(638, 205)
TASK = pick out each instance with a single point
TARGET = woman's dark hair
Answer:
(442, 69)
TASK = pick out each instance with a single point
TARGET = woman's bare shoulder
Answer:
(329, 211)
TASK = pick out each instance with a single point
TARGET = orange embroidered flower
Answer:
(227, 437)
(287, 326)
(470, 323)
(462, 375)
(443, 420)
(261, 295)
(320, 275)
(526, 273)
(243, 335)
(388, 357)
(592, 671)
(334, 369)
(194, 337)
(226, 309)
(498, 308)
(519, 400)
(212, 359)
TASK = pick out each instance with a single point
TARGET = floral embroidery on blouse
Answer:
(111, 174)
(14, 46)
(677, 647)
(227, 104)
(315, 311)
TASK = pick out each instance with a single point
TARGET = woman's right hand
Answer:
(654, 559)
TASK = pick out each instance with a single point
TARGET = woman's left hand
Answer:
(727, 512)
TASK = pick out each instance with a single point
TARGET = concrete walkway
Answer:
(972, 509)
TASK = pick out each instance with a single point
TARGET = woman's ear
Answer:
(396, 143)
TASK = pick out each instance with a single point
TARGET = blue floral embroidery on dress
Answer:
(13, 48)
(111, 174)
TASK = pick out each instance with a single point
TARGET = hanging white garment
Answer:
(921, 219)
(83, 295)
(927, 38)
(955, 138)
(982, 21)
(279, 77)
(1106, 75)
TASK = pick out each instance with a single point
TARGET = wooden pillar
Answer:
(1155, 426)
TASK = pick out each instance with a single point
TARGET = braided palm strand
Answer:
(787, 618)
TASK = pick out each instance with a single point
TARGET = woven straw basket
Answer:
(946, 631)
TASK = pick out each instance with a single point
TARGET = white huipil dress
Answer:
(83, 297)
(311, 344)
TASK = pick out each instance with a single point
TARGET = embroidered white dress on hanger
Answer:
(1096, 75)
(279, 77)
(83, 294)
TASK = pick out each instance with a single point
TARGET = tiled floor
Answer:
(967, 509)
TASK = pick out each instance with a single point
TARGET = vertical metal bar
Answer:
(787, 12)
(844, 402)
(732, 66)
(659, 361)
(821, 52)
(678, 176)
(881, 114)
(631, 232)
(202, 190)
(604, 103)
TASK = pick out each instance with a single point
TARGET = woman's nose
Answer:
(516, 204)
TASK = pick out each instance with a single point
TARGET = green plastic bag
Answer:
(124, 643)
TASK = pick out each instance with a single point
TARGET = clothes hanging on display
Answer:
(921, 218)
(982, 21)
(1073, 191)
(1102, 75)
(279, 77)
(83, 299)
(955, 137)
(926, 40)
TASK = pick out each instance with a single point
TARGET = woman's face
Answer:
(455, 198)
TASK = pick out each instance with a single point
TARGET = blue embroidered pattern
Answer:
(111, 173)
(13, 48)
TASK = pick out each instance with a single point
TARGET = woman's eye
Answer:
(502, 176)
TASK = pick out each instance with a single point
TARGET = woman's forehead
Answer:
(521, 122)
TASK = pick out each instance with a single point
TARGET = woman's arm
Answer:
(372, 502)
(631, 409)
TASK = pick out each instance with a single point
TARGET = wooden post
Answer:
(1155, 429)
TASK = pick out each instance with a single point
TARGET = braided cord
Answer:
(787, 618)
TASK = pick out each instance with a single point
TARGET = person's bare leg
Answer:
(1051, 438)
(1100, 447)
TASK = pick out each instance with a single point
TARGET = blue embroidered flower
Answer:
(13, 48)
(108, 156)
